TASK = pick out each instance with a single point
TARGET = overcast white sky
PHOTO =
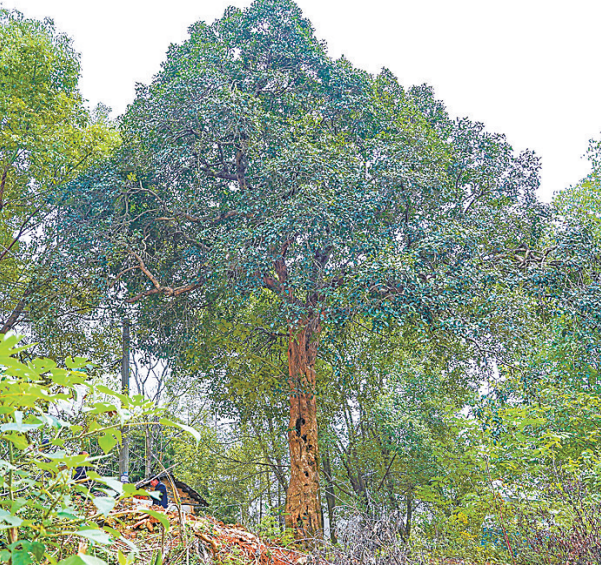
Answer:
(526, 68)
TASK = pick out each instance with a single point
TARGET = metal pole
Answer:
(124, 451)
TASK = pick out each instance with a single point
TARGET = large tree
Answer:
(256, 167)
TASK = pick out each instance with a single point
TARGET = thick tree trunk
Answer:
(303, 505)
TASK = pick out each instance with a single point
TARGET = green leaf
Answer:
(81, 559)
(17, 439)
(12, 520)
(109, 440)
(21, 557)
(68, 513)
(160, 517)
(17, 504)
(21, 550)
(110, 482)
(104, 504)
(188, 429)
(157, 558)
(106, 390)
(115, 533)
(18, 425)
(96, 535)
(131, 490)
(101, 408)
(77, 363)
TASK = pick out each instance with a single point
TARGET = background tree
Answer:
(47, 137)
(580, 203)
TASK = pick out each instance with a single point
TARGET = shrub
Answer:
(45, 512)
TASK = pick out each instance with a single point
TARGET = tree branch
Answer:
(158, 288)
(16, 313)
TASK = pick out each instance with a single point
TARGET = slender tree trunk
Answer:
(12, 320)
(303, 504)
(281, 518)
(2, 185)
(269, 494)
(148, 462)
(330, 497)
(409, 512)
(124, 451)
(260, 497)
(268, 453)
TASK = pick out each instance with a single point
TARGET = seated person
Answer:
(81, 474)
(159, 487)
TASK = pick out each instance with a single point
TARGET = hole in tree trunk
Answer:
(299, 422)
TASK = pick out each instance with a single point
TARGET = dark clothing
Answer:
(80, 474)
(162, 499)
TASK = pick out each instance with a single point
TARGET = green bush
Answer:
(44, 511)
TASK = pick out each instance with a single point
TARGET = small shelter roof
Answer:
(185, 491)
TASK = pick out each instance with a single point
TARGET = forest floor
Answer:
(185, 538)
(181, 538)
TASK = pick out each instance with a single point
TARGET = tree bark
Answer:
(303, 504)
(12, 320)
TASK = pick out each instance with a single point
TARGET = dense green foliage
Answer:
(257, 191)
(47, 137)
(294, 194)
(48, 414)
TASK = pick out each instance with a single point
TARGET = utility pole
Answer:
(124, 451)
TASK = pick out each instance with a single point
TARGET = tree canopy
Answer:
(255, 163)
(47, 137)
